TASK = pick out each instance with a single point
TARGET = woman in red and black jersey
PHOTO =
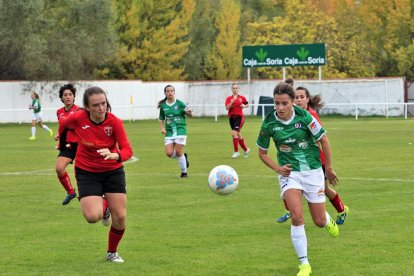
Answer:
(235, 104)
(68, 141)
(102, 147)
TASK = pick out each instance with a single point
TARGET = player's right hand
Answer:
(285, 170)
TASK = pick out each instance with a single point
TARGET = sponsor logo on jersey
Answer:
(278, 128)
(314, 127)
(108, 130)
(285, 148)
(176, 107)
(298, 125)
(290, 140)
(303, 144)
(85, 127)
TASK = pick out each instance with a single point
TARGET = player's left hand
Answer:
(107, 154)
(331, 176)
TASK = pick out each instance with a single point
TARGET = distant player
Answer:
(37, 116)
(235, 104)
(102, 147)
(304, 100)
(68, 141)
(294, 133)
(174, 127)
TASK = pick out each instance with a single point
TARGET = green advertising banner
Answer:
(284, 55)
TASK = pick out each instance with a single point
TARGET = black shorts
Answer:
(99, 183)
(68, 151)
(236, 122)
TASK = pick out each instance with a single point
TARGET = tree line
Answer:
(199, 39)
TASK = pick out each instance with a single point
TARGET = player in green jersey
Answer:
(310, 103)
(174, 127)
(37, 116)
(295, 132)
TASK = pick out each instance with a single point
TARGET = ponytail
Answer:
(316, 102)
(161, 102)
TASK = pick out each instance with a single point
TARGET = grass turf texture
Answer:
(180, 227)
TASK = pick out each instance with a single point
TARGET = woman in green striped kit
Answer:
(37, 116)
(174, 127)
(295, 133)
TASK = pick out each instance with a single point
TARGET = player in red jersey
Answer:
(304, 100)
(68, 141)
(102, 147)
(235, 104)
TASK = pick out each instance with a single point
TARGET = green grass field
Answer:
(179, 227)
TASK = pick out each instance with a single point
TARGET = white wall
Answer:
(372, 95)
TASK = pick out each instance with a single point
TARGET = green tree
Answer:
(399, 42)
(259, 11)
(151, 39)
(125, 21)
(49, 40)
(351, 49)
(302, 23)
(165, 42)
(373, 13)
(201, 36)
(224, 60)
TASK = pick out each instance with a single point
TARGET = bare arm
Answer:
(162, 127)
(329, 172)
(284, 170)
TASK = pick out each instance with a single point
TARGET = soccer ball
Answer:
(223, 180)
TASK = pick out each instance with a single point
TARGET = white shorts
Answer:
(181, 140)
(37, 116)
(312, 184)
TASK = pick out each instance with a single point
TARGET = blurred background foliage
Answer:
(199, 39)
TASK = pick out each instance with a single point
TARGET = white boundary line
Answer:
(133, 159)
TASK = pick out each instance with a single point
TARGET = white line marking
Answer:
(47, 171)
(134, 159)
(38, 172)
(131, 160)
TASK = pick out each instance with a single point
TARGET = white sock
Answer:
(46, 128)
(328, 218)
(300, 243)
(33, 131)
(182, 162)
(174, 155)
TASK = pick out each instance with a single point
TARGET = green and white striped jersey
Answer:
(174, 116)
(295, 139)
(36, 106)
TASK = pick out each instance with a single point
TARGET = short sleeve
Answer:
(314, 126)
(263, 141)
(161, 117)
